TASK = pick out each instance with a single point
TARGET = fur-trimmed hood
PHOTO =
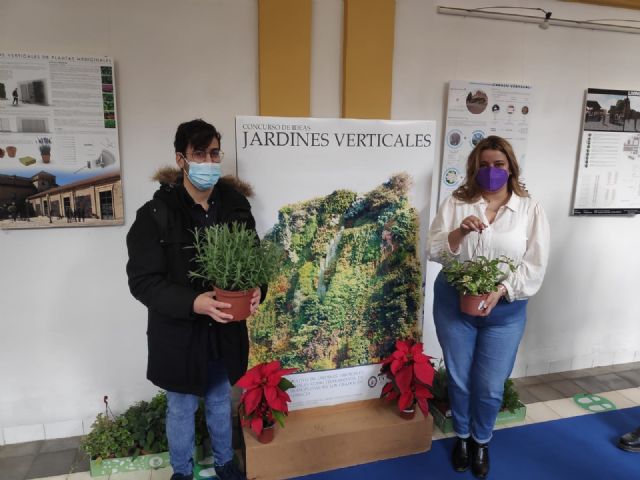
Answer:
(173, 176)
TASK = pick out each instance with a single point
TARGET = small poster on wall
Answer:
(348, 201)
(476, 110)
(59, 154)
(608, 175)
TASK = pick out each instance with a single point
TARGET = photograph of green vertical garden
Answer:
(350, 284)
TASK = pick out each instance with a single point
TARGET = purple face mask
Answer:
(491, 179)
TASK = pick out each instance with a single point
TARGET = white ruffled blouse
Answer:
(520, 231)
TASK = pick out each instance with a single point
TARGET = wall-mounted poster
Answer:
(348, 202)
(608, 175)
(59, 154)
(476, 110)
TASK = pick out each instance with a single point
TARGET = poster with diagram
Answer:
(59, 154)
(476, 110)
(348, 202)
(608, 174)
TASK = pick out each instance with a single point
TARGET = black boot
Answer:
(480, 462)
(461, 457)
(630, 441)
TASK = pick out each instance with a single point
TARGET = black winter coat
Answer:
(158, 267)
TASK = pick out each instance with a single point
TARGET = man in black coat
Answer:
(195, 348)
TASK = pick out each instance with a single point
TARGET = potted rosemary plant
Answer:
(475, 279)
(233, 260)
(44, 144)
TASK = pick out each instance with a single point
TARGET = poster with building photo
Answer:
(476, 110)
(59, 154)
(608, 174)
(348, 202)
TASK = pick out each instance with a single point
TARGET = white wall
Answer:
(71, 333)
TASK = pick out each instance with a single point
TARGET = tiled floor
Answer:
(548, 397)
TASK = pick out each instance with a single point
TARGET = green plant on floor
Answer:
(109, 437)
(137, 431)
(510, 398)
(440, 384)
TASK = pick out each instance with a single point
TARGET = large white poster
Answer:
(608, 175)
(59, 155)
(348, 200)
(476, 110)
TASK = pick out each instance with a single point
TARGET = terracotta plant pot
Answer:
(266, 436)
(46, 158)
(11, 151)
(472, 304)
(240, 302)
(407, 413)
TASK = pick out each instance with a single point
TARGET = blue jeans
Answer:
(181, 430)
(479, 353)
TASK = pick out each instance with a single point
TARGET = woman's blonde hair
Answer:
(470, 191)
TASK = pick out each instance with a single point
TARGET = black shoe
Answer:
(630, 441)
(461, 458)
(229, 471)
(179, 476)
(480, 462)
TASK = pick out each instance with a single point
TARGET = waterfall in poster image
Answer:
(331, 253)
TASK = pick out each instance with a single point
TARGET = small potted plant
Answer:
(11, 151)
(264, 399)
(44, 144)
(411, 374)
(234, 261)
(475, 279)
(512, 409)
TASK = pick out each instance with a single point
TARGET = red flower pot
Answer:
(408, 413)
(240, 302)
(266, 436)
(11, 151)
(472, 304)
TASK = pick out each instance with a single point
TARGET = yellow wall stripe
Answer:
(368, 58)
(284, 36)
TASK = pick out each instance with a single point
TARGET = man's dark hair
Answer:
(198, 133)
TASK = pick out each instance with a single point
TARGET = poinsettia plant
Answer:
(411, 374)
(264, 399)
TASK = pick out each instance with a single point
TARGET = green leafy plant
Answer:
(109, 437)
(233, 258)
(476, 277)
(137, 431)
(510, 397)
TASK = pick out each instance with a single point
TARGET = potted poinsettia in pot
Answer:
(475, 279)
(264, 398)
(411, 374)
(234, 261)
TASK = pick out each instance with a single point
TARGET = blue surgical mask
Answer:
(203, 176)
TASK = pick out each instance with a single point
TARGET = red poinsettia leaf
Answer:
(256, 425)
(402, 346)
(403, 378)
(271, 368)
(252, 399)
(387, 388)
(406, 400)
(424, 406)
(397, 364)
(250, 379)
(423, 392)
(392, 395)
(424, 372)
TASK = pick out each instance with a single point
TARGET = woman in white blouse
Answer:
(491, 215)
